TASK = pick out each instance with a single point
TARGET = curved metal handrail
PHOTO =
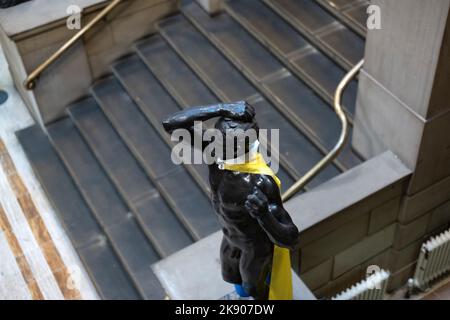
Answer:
(342, 138)
(30, 82)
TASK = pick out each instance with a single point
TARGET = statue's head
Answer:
(238, 136)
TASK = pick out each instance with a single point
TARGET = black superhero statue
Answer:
(249, 206)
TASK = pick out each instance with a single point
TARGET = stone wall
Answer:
(348, 224)
(403, 106)
(30, 33)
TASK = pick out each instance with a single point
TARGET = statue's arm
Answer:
(185, 119)
(265, 205)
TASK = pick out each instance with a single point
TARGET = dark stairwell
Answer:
(107, 168)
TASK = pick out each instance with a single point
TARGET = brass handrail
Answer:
(30, 82)
(342, 139)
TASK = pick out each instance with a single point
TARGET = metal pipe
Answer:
(340, 143)
(30, 82)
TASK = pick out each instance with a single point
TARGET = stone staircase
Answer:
(106, 166)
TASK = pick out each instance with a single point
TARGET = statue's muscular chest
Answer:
(231, 189)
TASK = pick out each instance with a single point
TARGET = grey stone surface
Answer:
(37, 36)
(37, 13)
(382, 260)
(63, 82)
(363, 250)
(434, 158)
(333, 243)
(115, 38)
(384, 215)
(400, 110)
(347, 190)
(194, 273)
(211, 6)
(400, 278)
(412, 231)
(440, 94)
(341, 283)
(417, 28)
(424, 201)
(319, 275)
(382, 122)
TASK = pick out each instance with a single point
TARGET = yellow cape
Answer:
(281, 275)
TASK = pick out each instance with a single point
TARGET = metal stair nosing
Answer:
(283, 161)
(355, 27)
(295, 119)
(204, 77)
(164, 193)
(132, 205)
(157, 125)
(116, 247)
(307, 79)
(346, 65)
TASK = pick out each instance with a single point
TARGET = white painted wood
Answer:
(12, 283)
(30, 247)
(15, 116)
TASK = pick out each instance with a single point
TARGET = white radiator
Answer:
(372, 288)
(434, 260)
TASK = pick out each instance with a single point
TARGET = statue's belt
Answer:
(281, 275)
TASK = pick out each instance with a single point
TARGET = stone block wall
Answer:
(385, 229)
(357, 228)
(28, 44)
(399, 110)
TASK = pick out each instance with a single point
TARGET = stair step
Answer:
(178, 79)
(202, 56)
(179, 189)
(120, 226)
(307, 107)
(352, 12)
(205, 60)
(155, 104)
(107, 273)
(322, 29)
(166, 232)
(321, 124)
(312, 66)
(175, 74)
(275, 32)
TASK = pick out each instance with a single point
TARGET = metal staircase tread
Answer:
(306, 107)
(326, 74)
(272, 30)
(201, 56)
(155, 103)
(318, 121)
(275, 33)
(322, 29)
(351, 12)
(193, 207)
(107, 273)
(179, 33)
(178, 79)
(114, 216)
(165, 65)
(152, 212)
